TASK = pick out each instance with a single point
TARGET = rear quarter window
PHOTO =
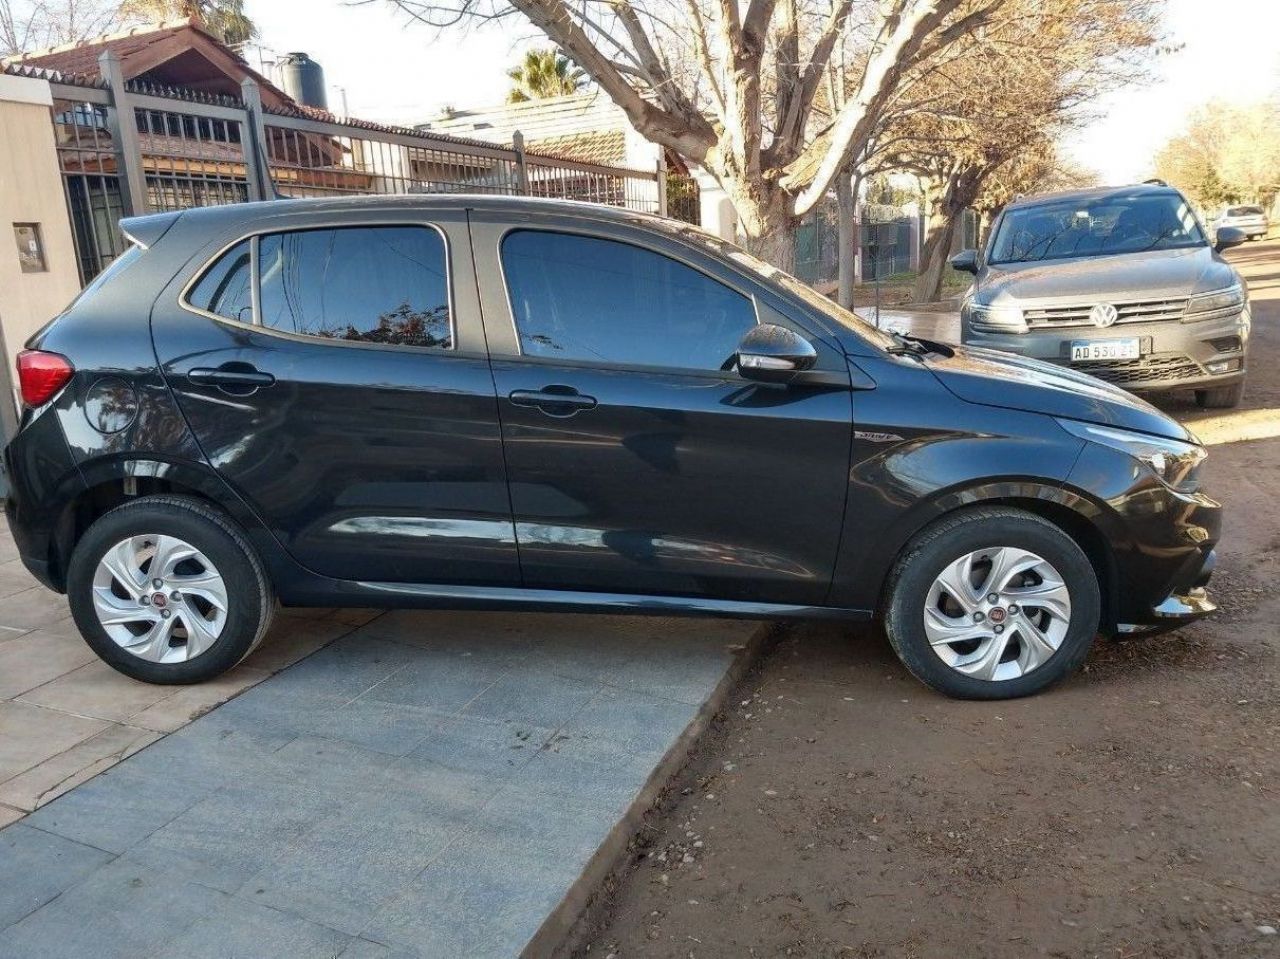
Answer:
(225, 289)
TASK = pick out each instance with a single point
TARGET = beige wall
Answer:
(31, 192)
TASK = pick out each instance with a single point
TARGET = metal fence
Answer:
(126, 148)
(887, 245)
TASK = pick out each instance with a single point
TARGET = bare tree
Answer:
(740, 87)
(27, 25)
(1002, 96)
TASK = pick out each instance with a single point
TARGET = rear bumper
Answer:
(1175, 355)
(40, 480)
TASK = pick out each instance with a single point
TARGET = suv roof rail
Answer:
(1155, 181)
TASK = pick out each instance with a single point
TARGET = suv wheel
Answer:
(1221, 397)
(166, 590)
(992, 604)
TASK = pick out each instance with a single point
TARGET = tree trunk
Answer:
(847, 201)
(947, 204)
(933, 261)
(776, 247)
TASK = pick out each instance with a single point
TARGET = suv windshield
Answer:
(1099, 227)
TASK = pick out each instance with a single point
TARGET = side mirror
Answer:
(1229, 236)
(774, 354)
(966, 261)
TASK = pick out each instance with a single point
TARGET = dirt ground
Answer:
(839, 808)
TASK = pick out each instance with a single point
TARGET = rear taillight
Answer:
(41, 374)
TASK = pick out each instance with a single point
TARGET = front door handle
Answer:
(554, 400)
(238, 379)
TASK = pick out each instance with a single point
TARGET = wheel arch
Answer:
(1091, 524)
(110, 482)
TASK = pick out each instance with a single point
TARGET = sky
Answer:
(397, 71)
(1230, 52)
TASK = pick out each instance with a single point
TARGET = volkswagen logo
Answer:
(1103, 315)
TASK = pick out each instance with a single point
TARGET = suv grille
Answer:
(1137, 311)
(1164, 368)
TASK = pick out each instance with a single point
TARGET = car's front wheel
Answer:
(166, 589)
(992, 603)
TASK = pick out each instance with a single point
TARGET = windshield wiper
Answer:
(910, 345)
(906, 345)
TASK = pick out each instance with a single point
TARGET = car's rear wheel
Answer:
(992, 603)
(1221, 397)
(165, 589)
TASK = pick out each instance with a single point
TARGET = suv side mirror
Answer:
(774, 354)
(1229, 236)
(966, 261)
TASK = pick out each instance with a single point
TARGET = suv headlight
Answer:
(996, 319)
(1224, 302)
(1177, 464)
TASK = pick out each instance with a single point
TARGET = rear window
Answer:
(1244, 211)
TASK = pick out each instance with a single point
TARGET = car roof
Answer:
(148, 228)
(1094, 193)
(521, 205)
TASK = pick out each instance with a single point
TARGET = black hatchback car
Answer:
(496, 402)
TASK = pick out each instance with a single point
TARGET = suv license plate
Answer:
(1087, 350)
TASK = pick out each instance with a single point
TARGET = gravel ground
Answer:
(838, 808)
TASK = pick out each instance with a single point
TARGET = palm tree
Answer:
(544, 73)
(225, 19)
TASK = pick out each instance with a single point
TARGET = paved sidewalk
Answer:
(431, 784)
(65, 716)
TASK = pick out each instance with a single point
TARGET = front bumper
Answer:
(1175, 355)
(1161, 542)
(1184, 605)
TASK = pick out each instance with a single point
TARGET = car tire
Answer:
(1221, 397)
(192, 620)
(1062, 635)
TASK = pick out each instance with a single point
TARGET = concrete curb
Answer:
(559, 932)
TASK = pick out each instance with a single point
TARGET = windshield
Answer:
(1101, 227)
(825, 305)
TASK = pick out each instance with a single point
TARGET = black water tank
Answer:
(303, 79)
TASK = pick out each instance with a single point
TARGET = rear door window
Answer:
(587, 298)
(377, 284)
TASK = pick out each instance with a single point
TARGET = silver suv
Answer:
(1119, 282)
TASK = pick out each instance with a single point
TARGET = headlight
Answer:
(997, 319)
(1177, 464)
(1225, 302)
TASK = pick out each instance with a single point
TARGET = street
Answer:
(839, 808)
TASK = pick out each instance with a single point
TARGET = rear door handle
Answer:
(553, 400)
(240, 379)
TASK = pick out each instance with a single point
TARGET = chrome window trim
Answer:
(255, 236)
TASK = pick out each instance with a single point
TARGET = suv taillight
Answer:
(41, 374)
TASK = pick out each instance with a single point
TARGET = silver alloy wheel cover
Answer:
(125, 600)
(1035, 616)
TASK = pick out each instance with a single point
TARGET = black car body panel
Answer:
(1036, 386)
(370, 473)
